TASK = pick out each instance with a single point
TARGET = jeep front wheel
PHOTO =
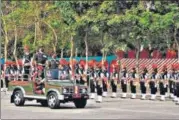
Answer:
(53, 101)
(18, 98)
(80, 103)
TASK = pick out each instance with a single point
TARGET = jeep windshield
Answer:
(57, 75)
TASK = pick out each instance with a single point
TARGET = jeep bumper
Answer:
(71, 97)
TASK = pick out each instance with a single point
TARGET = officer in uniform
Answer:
(171, 81)
(133, 78)
(92, 83)
(40, 60)
(7, 71)
(124, 80)
(99, 84)
(174, 83)
(143, 82)
(27, 63)
(104, 76)
(153, 82)
(114, 81)
(177, 85)
(2, 77)
(162, 85)
(53, 66)
(81, 73)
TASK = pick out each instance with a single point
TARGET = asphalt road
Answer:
(110, 108)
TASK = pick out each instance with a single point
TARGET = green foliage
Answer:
(108, 29)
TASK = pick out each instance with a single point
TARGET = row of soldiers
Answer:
(100, 79)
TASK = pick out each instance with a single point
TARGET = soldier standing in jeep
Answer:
(53, 65)
(27, 63)
(40, 60)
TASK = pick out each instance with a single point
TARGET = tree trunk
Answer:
(6, 38)
(176, 41)
(137, 56)
(76, 52)
(15, 46)
(35, 35)
(54, 48)
(86, 45)
(71, 56)
(102, 42)
(62, 53)
(39, 30)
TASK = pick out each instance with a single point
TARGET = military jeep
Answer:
(55, 91)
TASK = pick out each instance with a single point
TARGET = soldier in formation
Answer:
(143, 82)
(114, 81)
(124, 80)
(133, 80)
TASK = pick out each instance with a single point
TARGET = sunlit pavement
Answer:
(114, 108)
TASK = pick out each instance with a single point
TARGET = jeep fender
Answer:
(19, 88)
(15, 89)
(60, 97)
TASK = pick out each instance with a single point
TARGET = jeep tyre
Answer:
(53, 101)
(18, 98)
(80, 103)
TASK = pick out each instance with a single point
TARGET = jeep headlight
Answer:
(84, 90)
(64, 90)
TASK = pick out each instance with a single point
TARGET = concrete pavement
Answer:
(110, 108)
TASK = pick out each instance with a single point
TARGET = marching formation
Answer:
(164, 81)
(100, 76)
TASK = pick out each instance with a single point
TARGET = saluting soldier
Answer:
(153, 82)
(143, 82)
(162, 84)
(104, 76)
(99, 84)
(114, 81)
(27, 63)
(124, 80)
(132, 78)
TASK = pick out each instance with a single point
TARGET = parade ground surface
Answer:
(110, 108)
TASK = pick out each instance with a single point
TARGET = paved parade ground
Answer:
(114, 108)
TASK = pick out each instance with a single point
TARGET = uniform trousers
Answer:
(142, 87)
(162, 88)
(26, 73)
(133, 87)
(92, 86)
(114, 86)
(171, 89)
(99, 89)
(177, 89)
(104, 86)
(153, 88)
(123, 86)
